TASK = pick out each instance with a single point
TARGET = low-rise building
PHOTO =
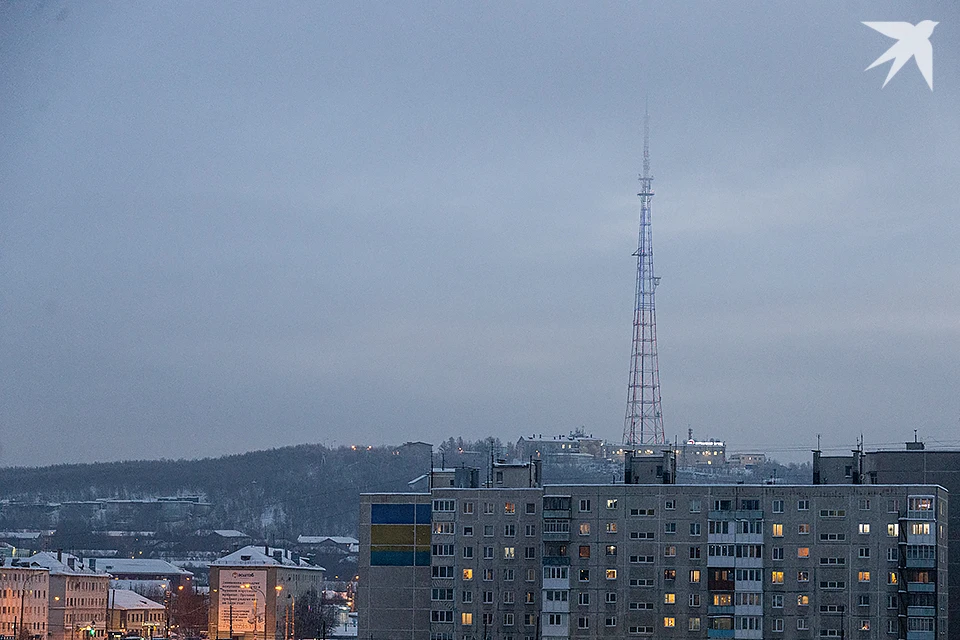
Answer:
(131, 614)
(24, 590)
(142, 574)
(253, 592)
(77, 601)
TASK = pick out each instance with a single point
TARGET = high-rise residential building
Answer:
(24, 590)
(254, 591)
(663, 561)
(913, 464)
(77, 602)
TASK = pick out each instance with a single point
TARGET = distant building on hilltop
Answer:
(701, 453)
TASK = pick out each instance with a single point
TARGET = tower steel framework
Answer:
(643, 424)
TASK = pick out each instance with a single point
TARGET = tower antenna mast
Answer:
(643, 423)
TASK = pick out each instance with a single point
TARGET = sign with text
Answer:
(241, 596)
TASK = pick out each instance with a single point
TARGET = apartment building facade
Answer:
(23, 600)
(675, 561)
(77, 601)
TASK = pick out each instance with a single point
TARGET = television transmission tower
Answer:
(644, 420)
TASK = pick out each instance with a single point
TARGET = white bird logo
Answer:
(912, 42)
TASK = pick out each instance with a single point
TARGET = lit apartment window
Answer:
(803, 529)
(920, 528)
(466, 619)
(584, 551)
(669, 622)
(776, 577)
(509, 553)
(722, 600)
(803, 552)
(611, 503)
(670, 551)
(694, 575)
(893, 530)
(509, 507)
(611, 549)
(892, 577)
(584, 528)
(864, 528)
(611, 527)
(611, 574)
(777, 531)
(803, 576)
(669, 598)
(803, 601)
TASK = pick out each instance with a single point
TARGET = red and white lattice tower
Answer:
(644, 421)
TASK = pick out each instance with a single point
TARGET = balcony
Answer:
(921, 563)
(921, 612)
(718, 610)
(720, 633)
(557, 513)
(920, 635)
(921, 587)
(556, 561)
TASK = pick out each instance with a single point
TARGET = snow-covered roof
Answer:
(62, 566)
(25, 535)
(126, 599)
(230, 533)
(253, 555)
(335, 539)
(142, 566)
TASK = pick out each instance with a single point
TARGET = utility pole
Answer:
(643, 423)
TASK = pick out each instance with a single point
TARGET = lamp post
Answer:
(18, 630)
(278, 589)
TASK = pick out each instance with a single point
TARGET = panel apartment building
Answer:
(657, 560)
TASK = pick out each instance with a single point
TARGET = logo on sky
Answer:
(913, 41)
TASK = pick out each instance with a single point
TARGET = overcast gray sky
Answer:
(231, 227)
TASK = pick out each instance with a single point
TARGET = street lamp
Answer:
(18, 630)
(278, 589)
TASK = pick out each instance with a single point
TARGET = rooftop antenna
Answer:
(643, 423)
